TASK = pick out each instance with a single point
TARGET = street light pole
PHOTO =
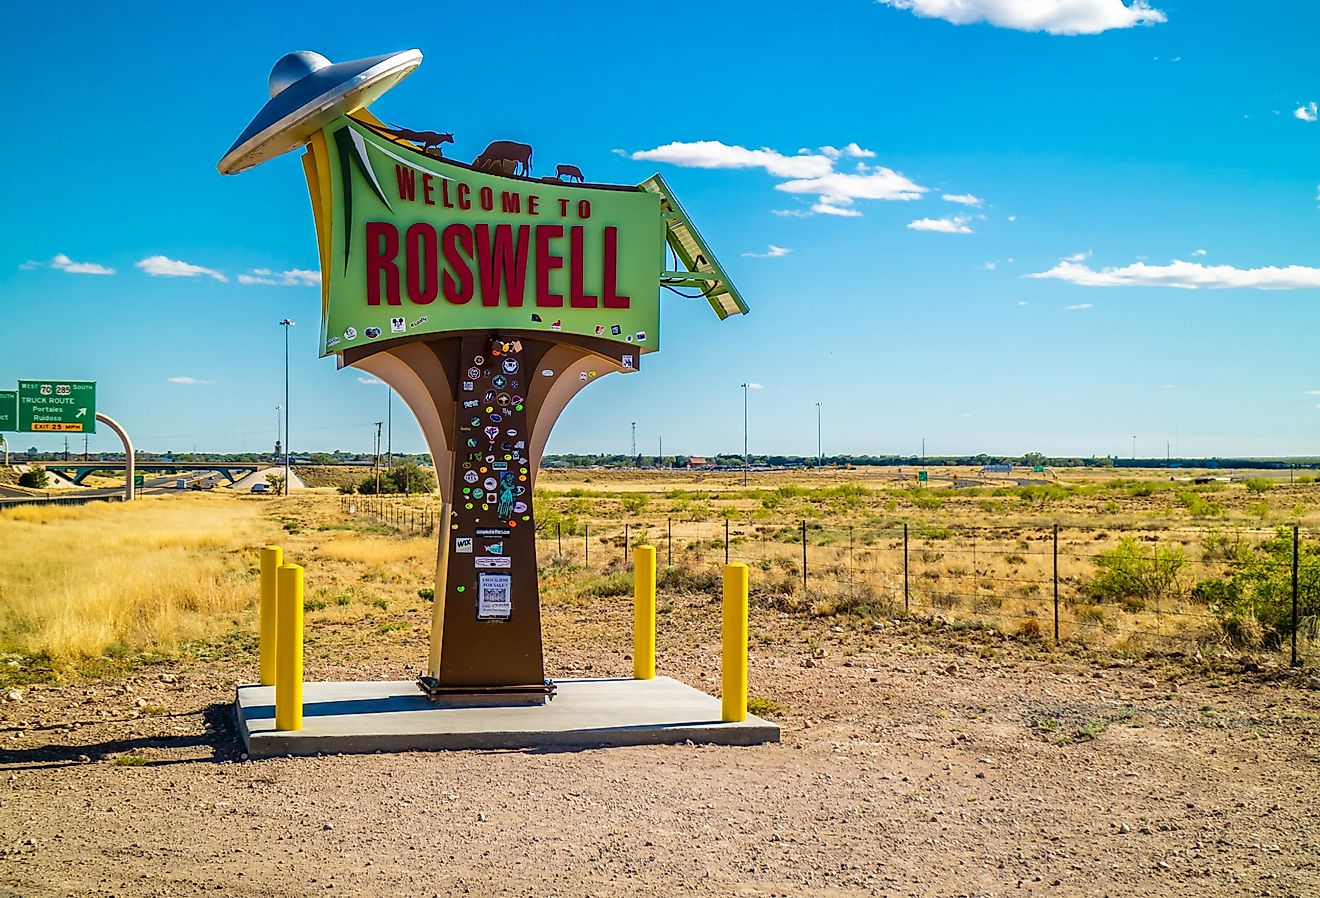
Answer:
(389, 428)
(634, 442)
(286, 324)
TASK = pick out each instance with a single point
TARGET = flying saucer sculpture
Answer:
(307, 92)
(487, 298)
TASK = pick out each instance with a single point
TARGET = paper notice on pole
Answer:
(494, 596)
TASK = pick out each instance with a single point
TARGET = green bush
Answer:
(1131, 575)
(34, 477)
(1256, 595)
(1259, 484)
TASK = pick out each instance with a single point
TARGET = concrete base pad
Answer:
(364, 717)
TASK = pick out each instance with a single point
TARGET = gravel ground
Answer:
(916, 762)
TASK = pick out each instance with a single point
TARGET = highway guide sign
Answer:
(8, 410)
(57, 406)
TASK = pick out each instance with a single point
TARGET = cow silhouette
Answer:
(572, 172)
(430, 140)
(499, 152)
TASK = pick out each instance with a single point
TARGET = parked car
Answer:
(261, 487)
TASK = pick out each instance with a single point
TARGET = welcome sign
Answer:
(418, 245)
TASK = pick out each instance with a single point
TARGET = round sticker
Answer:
(475, 421)
(470, 477)
(474, 373)
(519, 507)
(510, 366)
(496, 419)
(479, 360)
(490, 483)
(477, 492)
(502, 400)
(499, 381)
(546, 372)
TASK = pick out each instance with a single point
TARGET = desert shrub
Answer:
(635, 504)
(619, 583)
(34, 477)
(1259, 590)
(1031, 630)
(1129, 575)
(1200, 506)
(1220, 546)
(1259, 484)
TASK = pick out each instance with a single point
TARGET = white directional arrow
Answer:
(81, 412)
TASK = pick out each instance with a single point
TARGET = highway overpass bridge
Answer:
(78, 471)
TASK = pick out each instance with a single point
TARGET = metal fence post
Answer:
(1056, 584)
(804, 556)
(906, 591)
(670, 543)
(559, 538)
(586, 544)
(625, 543)
(726, 540)
(1295, 662)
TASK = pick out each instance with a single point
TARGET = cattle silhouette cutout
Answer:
(430, 140)
(572, 172)
(500, 153)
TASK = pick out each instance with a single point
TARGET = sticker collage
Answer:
(492, 529)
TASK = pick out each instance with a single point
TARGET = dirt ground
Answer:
(916, 761)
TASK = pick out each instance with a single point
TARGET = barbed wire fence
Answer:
(1036, 581)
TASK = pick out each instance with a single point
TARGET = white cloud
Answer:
(1012, 218)
(955, 225)
(752, 386)
(1185, 275)
(806, 173)
(965, 199)
(187, 380)
(294, 277)
(1307, 112)
(791, 213)
(371, 381)
(773, 252)
(716, 154)
(990, 266)
(61, 262)
(1078, 307)
(1023, 302)
(162, 266)
(1313, 392)
(1078, 257)
(1053, 16)
(1198, 252)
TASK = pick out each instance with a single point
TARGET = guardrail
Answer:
(59, 500)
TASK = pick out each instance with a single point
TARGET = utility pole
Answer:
(1134, 447)
(377, 462)
(286, 324)
(66, 448)
(85, 447)
(634, 442)
(820, 457)
(923, 450)
(660, 459)
(746, 458)
(389, 428)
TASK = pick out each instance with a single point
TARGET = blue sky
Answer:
(1167, 143)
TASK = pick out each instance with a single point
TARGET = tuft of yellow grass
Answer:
(148, 575)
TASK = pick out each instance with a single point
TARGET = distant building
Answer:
(997, 469)
(698, 461)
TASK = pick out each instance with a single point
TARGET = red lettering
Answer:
(457, 241)
(532, 202)
(382, 247)
(563, 207)
(444, 194)
(610, 297)
(546, 261)
(510, 202)
(463, 201)
(420, 252)
(576, 262)
(407, 182)
(427, 189)
(502, 259)
(487, 197)
(584, 209)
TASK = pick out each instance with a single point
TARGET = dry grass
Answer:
(77, 581)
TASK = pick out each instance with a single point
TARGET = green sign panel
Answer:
(57, 406)
(922, 477)
(8, 410)
(139, 479)
(420, 245)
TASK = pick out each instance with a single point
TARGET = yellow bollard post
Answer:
(271, 559)
(644, 613)
(733, 667)
(289, 657)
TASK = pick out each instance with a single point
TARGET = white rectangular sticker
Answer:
(493, 561)
(494, 596)
(463, 544)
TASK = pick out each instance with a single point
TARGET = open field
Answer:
(922, 755)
